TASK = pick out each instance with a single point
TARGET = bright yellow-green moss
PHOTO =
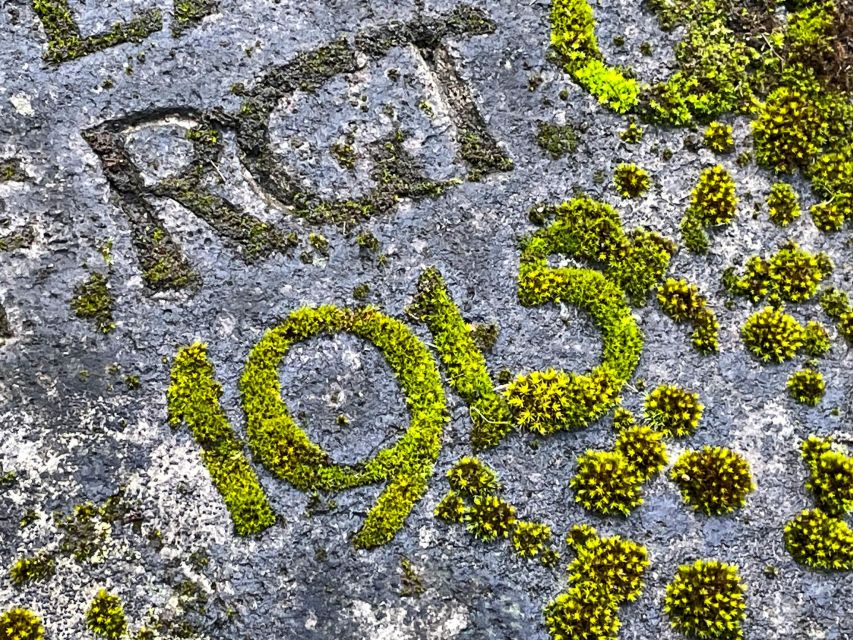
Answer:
(772, 335)
(573, 38)
(20, 624)
(815, 339)
(713, 480)
(707, 600)
(836, 304)
(607, 483)
(106, 617)
(713, 202)
(783, 204)
(682, 302)
(674, 411)
(465, 364)
(807, 387)
(631, 181)
(193, 399)
(718, 137)
(490, 517)
(791, 274)
(820, 541)
(286, 450)
(584, 611)
(830, 476)
(531, 539)
(644, 450)
(451, 508)
(470, 477)
(34, 568)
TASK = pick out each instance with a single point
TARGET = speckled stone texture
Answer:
(73, 430)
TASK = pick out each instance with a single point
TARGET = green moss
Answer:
(633, 133)
(718, 137)
(607, 483)
(713, 480)
(66, 43)
(451, 508)
(820, 541)
(12, 170)
(286, 450)
(557, 139)
(344, 153)
(490, 517)
(465, 364)
(367, 242)
(682, 302)
(830, 476)
(772, 335)
(614, 564)
(189, 13)
(815, 339)
(783, 204)
(470, 477)
(20, 624)
(93, 301)
(33, 569)
(806, 387)
(828, 216)
(631, 181)
(106, 617)
(644, 450)
(573, 38)
(712, 203)
(532, 540)
(674, 411)
(193, 399)
(584, 611)
(707, 600)
(361, 292)
(411, 583)
(791, 274)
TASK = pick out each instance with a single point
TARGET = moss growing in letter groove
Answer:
(284, 448)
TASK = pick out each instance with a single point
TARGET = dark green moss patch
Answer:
(712, 203)
(783, 204)
(772, 335)
(93, 301)
(819, 541)
(707, 600)
(674, 411)
(32, 569)
(806, 387)
(20, 624)
(682, 302)
(558, 140)
(713, 480)
(631, 181)
(12, 170)
(188, 13)
(105, 617)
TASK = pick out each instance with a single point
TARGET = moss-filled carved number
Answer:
(284, 448)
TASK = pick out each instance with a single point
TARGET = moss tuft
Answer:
(644, 450)
(673, 411)
(783, 204)
(718, 137)
(631, 181)
(93, 301)
(713, 202)
(490, 517)
(607, 483)
(830, 476)
(20, 624)
(106, 617)
(772, 335)
(531, 539)
(815, 339)
(819, 541)
(35, 568)
(557, 139)
(713, 480)
(707, 600)
(470, 477)
(807, 387)
(682, 302)
(451, 508)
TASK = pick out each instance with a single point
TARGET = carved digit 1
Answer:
(287, 451)
(193, 399)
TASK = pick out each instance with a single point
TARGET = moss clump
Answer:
(712, 202)
(573, 39)
(836, 305)
(38, 567)
(531, 539)
(644, 450)
(106, 617)
(93, 301)
(607, 483)
(713, 480)
(830, 476)
(633, 133)
(820, 541)
(815, 339)
(549, 401)
(193, 399)
(20, 624)
(783, 204)
(772, 335)
(614, 564)
(682, 302)
(189, 13)
(791, 274)
(451, 508)
(806, 387)
(490, 518)
(707, 600)
(827, 216)
(557, 139)
(584, 611)
(285, 449)
(631, 181)
(674, 411)
(718, 137)
(470, 477)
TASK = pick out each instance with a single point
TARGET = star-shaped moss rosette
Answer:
(20, 624)
(672, 410)
(713, 480)
(707, 600)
